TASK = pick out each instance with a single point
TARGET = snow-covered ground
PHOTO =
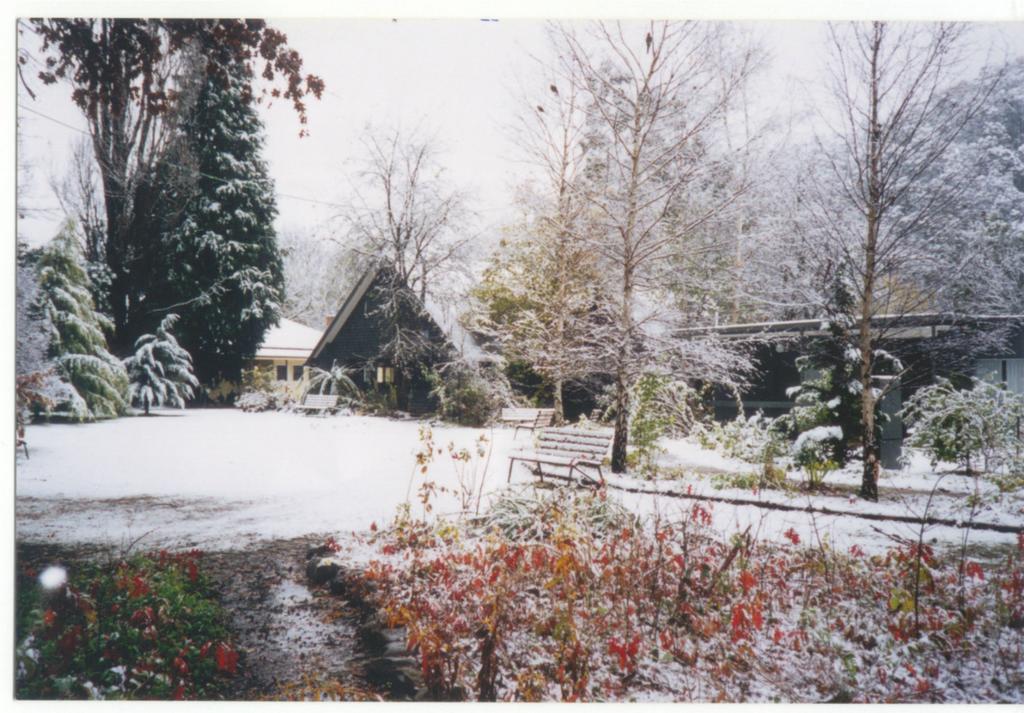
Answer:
(223, 478)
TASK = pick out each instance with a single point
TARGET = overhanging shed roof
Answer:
(288, 340)
(910, 326)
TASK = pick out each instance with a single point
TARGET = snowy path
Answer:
(223, 479)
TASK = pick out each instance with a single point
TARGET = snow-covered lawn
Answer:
(220, 476)
(908, 492)
(225, 478)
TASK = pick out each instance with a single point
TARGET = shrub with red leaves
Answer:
(573, 611)
(141, 629)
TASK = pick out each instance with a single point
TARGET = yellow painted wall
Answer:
(290, 385)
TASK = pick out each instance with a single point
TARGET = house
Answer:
(358, 337)
(778, 345)
(285, 350)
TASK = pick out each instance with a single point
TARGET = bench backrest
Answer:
(538, 416)
(591, 445)
(321, 400)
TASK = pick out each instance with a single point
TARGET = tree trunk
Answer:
(621, 440)
(869, 479)
(559, 405)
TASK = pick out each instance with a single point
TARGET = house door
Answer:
(891, 445)
(391, 383)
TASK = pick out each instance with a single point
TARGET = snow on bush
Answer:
(563, 599)
(814, 451)
(975, 428)
(336, 380)
(259, 392)
(816, 436)
(755, 440)
(254, 401)
(160, 371)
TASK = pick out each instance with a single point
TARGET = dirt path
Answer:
(295, 643)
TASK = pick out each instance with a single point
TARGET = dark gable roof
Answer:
(457, 337)
(345, 312)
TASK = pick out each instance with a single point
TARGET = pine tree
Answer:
(78, 344)
(223, 271)
(539, 297)
(160, 371)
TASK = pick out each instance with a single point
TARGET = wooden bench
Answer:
(318, 403)
(528, 418)
(570, 448)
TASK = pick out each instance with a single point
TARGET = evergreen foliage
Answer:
(78, 344)
(466, 395)
(223, 271)
(336, 380)
(160, 371)
(539, 298)
(128, 81)
(975, 427)
(829, 395)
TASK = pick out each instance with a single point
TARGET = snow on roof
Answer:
(288, 340)
(447, 319)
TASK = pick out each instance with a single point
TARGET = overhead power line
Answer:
(205, 175)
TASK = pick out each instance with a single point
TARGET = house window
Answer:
(282, 372)
(1007, 371)
(385, 375)
(297, 372)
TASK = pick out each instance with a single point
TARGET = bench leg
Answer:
(511, 462)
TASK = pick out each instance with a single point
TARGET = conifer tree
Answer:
(78, 343)
(160, 371)
(223, 271)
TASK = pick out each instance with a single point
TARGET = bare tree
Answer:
(407, 220)
(545, 269)
(78, 193)
(874, 221)
(655, 96)
(318, 275)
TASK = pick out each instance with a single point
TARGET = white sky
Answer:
(454, 79)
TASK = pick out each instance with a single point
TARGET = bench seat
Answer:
(567, 447)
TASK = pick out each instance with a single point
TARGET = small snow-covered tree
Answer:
(538, 298)
(160, 371)
(964, 425)
(539, 294)
(78, 344)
